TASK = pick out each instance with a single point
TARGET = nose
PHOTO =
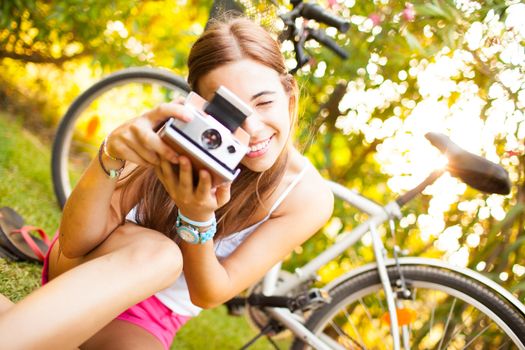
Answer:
(253, 124)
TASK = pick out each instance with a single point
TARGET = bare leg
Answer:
(129, 266)
(120, 334)
(5, 304)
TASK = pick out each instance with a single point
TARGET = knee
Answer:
(158, 254)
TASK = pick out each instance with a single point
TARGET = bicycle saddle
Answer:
(474, 170)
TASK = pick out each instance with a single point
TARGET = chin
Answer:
(259, 164)
(257, 167)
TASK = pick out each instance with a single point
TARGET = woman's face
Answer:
(260, 87)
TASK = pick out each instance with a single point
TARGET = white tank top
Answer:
(176, 297)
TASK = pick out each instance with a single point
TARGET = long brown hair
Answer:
(224, 41)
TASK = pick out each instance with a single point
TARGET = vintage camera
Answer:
(213, 138)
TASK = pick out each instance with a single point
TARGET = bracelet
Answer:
(105, 150)
(197, 223)
(111, 173)
(191, 234)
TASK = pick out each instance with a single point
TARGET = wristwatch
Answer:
(191, 234)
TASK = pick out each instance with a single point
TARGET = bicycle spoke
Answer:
(446, 324)
(343, 334)
(502, 345)
(367, 311)
(380, 302)
(463, 326)
(477, 336)
(356, 331)
(432, 314)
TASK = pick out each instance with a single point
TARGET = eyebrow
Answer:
(261, 93)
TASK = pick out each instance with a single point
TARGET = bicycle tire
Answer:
(356, 289)
(62, 141)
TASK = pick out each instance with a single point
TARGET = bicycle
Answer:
(372, 297)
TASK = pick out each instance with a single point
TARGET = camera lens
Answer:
(211, 139)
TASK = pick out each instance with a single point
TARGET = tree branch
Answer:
(359, 160)
(332, 112)
(39, 58)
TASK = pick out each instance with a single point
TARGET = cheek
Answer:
(278, 119)
(285, 120)
(282, 125)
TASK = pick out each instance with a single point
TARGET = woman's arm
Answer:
(303, 213)
(92, 211)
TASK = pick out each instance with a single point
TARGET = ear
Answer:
(292, 90)
(292, 103)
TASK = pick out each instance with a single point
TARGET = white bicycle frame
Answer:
(378, 215)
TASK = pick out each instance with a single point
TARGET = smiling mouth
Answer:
(260, 147)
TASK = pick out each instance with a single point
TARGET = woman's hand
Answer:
(197, 203)
(137, 142)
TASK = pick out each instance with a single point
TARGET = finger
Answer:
(168, 185)
(179, 100)
(126, 153)
(141, 149)
(204, 185)
(168, 172)
(155, 146)
(163, 149)
(115, 146)
(185, 175)
(160, 175)
(167, 110)
(223, 194)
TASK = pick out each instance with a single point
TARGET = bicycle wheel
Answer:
(444, 311)
(101, 108)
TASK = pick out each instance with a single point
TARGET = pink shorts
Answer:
(150, 314)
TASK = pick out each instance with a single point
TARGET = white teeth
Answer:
(260, 146)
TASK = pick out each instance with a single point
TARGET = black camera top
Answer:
(228, 109)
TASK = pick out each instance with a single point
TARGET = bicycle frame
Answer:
(378, 215)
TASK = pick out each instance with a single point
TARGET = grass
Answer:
(26, 186)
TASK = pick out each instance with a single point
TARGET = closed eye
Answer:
(263, 103)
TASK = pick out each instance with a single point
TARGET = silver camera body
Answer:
(212, 139)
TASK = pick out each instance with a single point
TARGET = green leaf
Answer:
(432, 10)
(518, 287)
(516, 245)
(512, 215)
(413, 42)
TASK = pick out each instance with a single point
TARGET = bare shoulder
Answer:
(311, 199)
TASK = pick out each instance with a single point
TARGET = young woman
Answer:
(121, 276)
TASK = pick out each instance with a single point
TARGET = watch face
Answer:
(187, 234)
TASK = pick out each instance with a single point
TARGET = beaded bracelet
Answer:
(111, 173)
(189, 231)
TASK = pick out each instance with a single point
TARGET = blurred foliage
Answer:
(115, 33)
(455, 67)
(364, 120)
(77, 42)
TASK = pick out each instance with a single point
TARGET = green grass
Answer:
(26, 186)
